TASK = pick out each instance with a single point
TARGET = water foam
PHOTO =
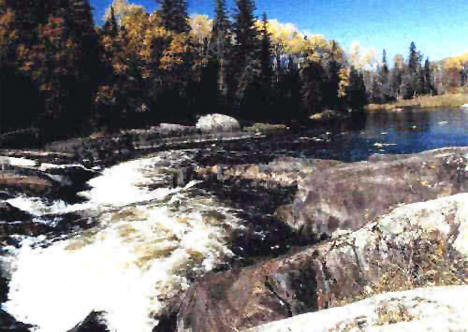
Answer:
(146, 243)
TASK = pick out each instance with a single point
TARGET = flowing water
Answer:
(149, 239)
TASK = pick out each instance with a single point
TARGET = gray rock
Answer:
(348, 196)
(416, 245)
(217, 123)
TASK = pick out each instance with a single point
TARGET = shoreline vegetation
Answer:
(65, 76)
(452, 100)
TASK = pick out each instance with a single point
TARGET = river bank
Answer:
(448, 100)
(137, 224)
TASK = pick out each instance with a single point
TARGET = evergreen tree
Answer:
(266, 74)
(385, 83)
(397, 76)
(428, 82)
(356, 90)
(333, 67)
(221, 45)
(246, 67)
(313, 78)
(110, 26)
(174, 15)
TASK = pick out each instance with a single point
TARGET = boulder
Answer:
(416, 245)
(423, 309)
(348, 196)
(217, 123)
(11, 213)
(32, 183)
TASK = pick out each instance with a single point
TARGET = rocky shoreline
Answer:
(316, 233)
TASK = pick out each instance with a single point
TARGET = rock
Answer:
(217, 123)
(168, 128)
(423, 309)
(326, 115)
(284, 171)
(11, 213)
(32, 183)
(348, 196)
(416, 245)
(93, 323)
(266, 128)
(9, 324)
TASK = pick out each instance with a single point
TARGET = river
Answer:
(149, 239)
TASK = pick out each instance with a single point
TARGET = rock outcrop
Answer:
(217, 123)
(416, 245)
(423, 309)
(348, 196)
(285, 171)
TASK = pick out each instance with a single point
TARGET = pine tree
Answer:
(246, 67)
(428, 82)
(221, 45)
(110, 26)
(356, 90)
(174, 15)
(266, 74)
(386, 89)
(313, 78)
(333, 67)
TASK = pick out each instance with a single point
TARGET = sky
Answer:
(439, 28)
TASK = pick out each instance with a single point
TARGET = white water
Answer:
(145, 243)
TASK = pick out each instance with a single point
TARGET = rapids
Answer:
(149, 240)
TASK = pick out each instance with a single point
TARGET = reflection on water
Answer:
(418, 130)
(385, 132)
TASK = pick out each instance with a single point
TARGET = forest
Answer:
(65, 76)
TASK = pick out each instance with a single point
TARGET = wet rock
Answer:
(93, 323)
(284, 171)
(349, 196)
(423, 309)
(31, 183)
(415, 245)
(9, 324)
(217, 123)
(11, 213)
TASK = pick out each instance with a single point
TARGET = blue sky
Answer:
(439, 28)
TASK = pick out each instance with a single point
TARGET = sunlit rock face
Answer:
(423, 309)
(350, 195)
(416, 245)
(217, 123)
(149, 240)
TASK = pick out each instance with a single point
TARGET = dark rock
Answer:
(10, 213)
(9, 324)
(93, 323)
(27, 182)
(414, 246)
(351, 195)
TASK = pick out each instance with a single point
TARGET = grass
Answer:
(451, 100)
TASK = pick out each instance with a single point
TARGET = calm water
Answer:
(398, 133)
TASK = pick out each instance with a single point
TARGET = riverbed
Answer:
(148, 238)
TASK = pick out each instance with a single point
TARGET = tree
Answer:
(221, 45)
(110, 26)
(333, 67)
(428, 81)
(356, 90)
(386, 89)
(174, 15)
(313, 78)
(245, 53)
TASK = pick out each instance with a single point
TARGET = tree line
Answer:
(66, 76)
